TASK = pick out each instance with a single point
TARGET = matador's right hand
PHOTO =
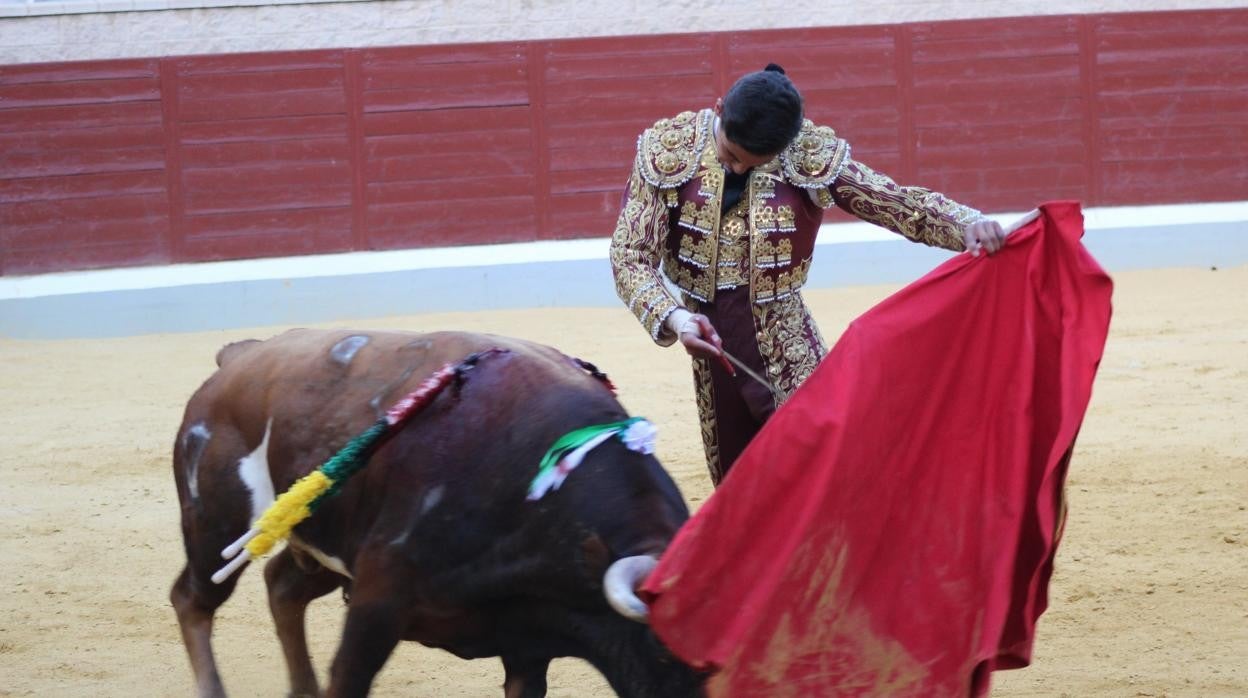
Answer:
(698, 336)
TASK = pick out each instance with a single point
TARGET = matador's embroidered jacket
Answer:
(672, 226)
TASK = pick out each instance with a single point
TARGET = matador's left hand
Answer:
(983, 234)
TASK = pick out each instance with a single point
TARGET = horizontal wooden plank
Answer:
(1040, 73)
(40, 260)
(279, 128)
(264, 187)
(1110, 123)
(467, 144)
(952, 156)
(323, 239)
(72, 234)
(613, 180)
(464, 188)
(267, 175)
(79, 116)
(332, 149)
(1195, 179)
(507, 94)
(58, 163)
(1030, 109)
(589, 214)
(86, 211)
(595, 138)
(641, 112)
(87, 92)
(1162, 59)
(1183, 79)
(288, 222)
(970, 183)
(449, 167)
(929, 53)
(1189, 143)
(447, 121)
(482, 75)
(318, 102)
(1179, 39)
(613, 90)
(993, 28)
(1054, 131)
(1230, 132)
(1003, 95)
(105, 184)
(242, 63)
(102, 138)
(1168, 106)
(618, 157)
(836, 108)
(198, 202)
(464, 222)
(260, 82)
(633, 64)
(78, 71)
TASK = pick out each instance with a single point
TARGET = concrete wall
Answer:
(66, 30)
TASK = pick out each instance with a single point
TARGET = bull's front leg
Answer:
(376, 619)
(291, 589)
(526, 678)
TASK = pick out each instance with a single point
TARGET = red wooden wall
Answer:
(127, 162)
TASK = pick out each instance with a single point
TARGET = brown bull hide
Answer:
(434, 540)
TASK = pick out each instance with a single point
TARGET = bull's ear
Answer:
(596, 555)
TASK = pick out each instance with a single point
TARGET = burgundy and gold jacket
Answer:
(672, 226)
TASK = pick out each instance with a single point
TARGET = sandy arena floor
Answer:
(1149, 598)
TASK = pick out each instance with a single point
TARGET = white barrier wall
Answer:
(35, 31)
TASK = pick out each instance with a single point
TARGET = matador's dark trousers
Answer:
(732, 409)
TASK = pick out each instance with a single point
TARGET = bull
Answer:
(435, 540)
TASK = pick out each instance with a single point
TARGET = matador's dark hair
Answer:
(762, 111)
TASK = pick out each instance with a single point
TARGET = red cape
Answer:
(891, 531)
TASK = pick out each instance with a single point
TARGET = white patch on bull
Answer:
(329, 562)
(431, 499)
(253, 469)
(193, 443)
(345, 349)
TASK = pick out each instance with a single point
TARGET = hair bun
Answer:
(773, 68)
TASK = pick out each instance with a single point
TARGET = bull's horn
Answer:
(620, 585)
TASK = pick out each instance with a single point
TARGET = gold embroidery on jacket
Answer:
(788, 341)
(667, 152)
(696, 251)
(919, 214)
(777, 254)
(704, 219)
(705, 394)
(699, 218)
(732, 269)
(636, 250)
(786, 220)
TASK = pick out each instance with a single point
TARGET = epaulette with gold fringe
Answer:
(815, 157)
(667, 153)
